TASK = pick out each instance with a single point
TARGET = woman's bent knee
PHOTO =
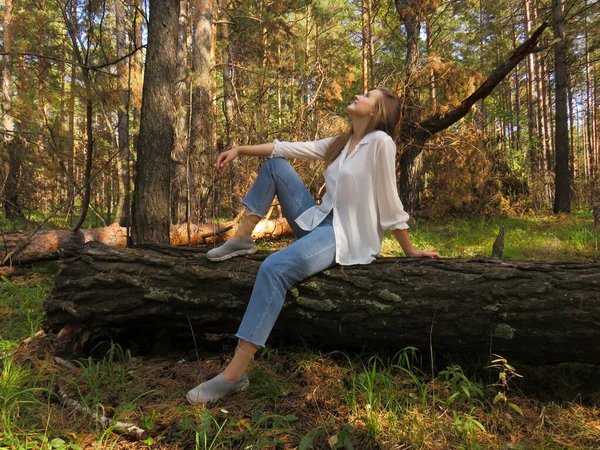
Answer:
(275, 164)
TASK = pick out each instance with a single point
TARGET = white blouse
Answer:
(361, 191)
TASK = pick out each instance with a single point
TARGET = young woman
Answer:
(361, 202)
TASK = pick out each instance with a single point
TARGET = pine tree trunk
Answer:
(532, 104)
(122, 214)
(364, 45)
(151, 210)
(9, 189)
(535, 312)
(200, 133)
(590, 122)
(562, 196)
(227, 73)
(180, 154)
(411, 146)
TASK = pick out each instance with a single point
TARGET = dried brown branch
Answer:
(435, 124)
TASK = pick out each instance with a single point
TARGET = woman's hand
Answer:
(226, 157)
(409, 250)
(423, 254)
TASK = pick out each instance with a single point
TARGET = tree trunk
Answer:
(180, 154)
(227, 73)
(122, 214)
(20, 247)
(533, 98)
(200, 133)
(535, 312)
(9, 189)
(414, 134)
(151, 210)
(364, 45)
(15, 147)
(410, 145)
(562, 195)
(589, 123)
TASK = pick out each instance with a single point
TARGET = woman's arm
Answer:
(249, 150)
(409, 250)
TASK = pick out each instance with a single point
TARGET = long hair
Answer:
(385, 118)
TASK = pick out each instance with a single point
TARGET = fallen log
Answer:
(531, 311)
(20, 247)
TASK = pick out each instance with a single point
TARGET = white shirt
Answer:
(361, 191)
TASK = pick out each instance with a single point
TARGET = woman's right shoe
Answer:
(215, 389)
(233, 247)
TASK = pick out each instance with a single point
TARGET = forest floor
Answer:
(302, 397)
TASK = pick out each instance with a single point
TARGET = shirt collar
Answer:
(366, 139)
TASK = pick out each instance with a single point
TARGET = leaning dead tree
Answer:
(531, 311)
(415, 132)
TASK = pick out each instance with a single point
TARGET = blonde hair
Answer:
(386, 117)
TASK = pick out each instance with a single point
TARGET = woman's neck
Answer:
(359, 129)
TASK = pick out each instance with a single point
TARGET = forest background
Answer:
(251, 72)
(238, 72)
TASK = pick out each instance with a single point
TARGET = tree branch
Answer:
(61, 60)
(435, 124)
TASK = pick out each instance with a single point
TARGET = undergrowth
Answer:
(299, 398)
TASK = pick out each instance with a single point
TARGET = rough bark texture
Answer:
(180, 153)
(21, 247)
(122, 215)
(562, 195)
(201, 122)
(14, 148)
(151, 212)
(531, 311)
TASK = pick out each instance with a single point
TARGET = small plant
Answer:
(263, 430)
(463, 390)
(506, 373)
(147, 422)
(408, 361)
(466, 425)
(204, 434)
(111, 371)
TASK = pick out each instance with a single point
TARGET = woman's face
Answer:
(364, 105)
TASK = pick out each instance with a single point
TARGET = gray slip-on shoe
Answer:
(216, 388)
(233, 247)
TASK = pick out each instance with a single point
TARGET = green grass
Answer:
(59, 220)
(555, 238)
(20, 383)
(303, 398)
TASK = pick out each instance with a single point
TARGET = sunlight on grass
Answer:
(547, 238)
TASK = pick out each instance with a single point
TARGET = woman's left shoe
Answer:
(216, 388)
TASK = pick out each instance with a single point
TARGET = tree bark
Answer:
(227, 73)
(410, 144)
(200, 132)
(562, 185)
(364, 45)
(532, 311)
(151, 210)
(181, 150)
(533, 100)
(9, 189)
(122, 215)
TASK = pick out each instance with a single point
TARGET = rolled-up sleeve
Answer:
(301, 150)
(390, 210)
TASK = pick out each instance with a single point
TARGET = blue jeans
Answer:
(313, 252)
